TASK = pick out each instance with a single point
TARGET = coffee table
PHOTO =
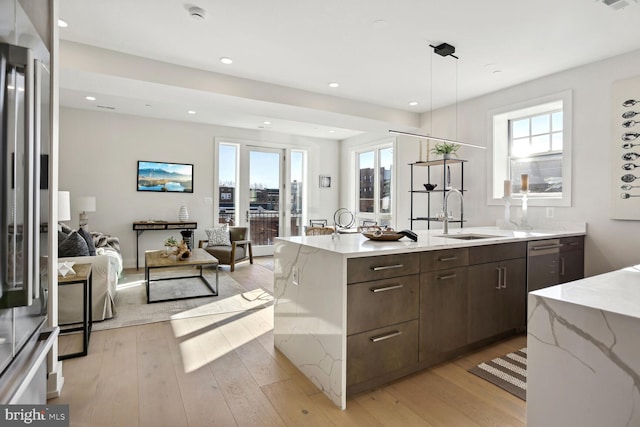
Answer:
(199, 258)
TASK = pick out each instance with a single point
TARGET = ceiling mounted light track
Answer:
(435, 138)
(444, 50)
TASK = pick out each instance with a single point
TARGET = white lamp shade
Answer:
(64, 206)
(87, 204)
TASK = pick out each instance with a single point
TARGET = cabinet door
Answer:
(571, 259)
(513, 295)
(375, 353)
(372, 305)
(497, 298)
(443, 313)
(485, 283)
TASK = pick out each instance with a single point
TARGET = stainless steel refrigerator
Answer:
(24, 212)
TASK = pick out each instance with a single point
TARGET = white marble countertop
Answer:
(614, 292)
(356, 245)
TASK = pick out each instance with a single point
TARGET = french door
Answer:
(261, 201)
(258, 189)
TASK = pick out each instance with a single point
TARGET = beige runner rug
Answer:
(507, 372)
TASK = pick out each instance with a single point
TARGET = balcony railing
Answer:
(264, 225)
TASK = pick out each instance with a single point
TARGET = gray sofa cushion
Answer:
(223, 253)
(73, 245)
(87, 238)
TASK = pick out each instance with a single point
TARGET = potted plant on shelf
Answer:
(445, 149)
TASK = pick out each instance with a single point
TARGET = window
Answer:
(533, 138)
(227, 177)
(297, 192)
(375, 182)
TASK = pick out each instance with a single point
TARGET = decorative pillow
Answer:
(65, 228)
(87, 238)
(73, 245)
(218, 236)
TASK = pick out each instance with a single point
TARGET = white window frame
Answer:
(498, 155)
(375, 215)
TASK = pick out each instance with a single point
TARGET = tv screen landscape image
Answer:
(165, 177)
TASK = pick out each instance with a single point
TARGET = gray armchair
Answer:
(240, 249)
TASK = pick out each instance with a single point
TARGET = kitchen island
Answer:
(352, 313)
(583, 345)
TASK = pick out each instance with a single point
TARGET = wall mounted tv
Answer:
(165, 177)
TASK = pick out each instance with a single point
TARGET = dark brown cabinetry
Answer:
(406, 312)
(443, 313)
(382, 316)
(497, 290)
(571, 259)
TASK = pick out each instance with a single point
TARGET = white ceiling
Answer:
(286, 52)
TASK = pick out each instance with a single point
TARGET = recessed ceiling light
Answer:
(197, 12)
(332, 131)
(90, 98)
(267, 123)
(226, 60)
(380, 23)
(334, 84)
(191, 112)
(62, 24)
(413, 103)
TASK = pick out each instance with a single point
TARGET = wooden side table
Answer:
(83, 277)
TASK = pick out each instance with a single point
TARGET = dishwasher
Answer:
(543, 264)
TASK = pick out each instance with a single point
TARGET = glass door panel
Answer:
(265, 208)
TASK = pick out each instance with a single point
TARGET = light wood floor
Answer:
(222, 370)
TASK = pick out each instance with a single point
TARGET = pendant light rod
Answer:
(435, 138)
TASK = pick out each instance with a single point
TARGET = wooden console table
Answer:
(141, 226)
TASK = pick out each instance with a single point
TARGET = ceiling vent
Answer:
(617, 4)
(197, 12)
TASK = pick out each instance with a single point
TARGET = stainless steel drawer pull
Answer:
(451, 258)
(450, 276)
(504, 277)
(385, 336)
(386, 288)
(499, 277)
(387, 267)
(574, 244)
(542, 248)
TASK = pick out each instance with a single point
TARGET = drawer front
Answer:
(382, 267)
(447, 258)
(374, 353)
(499, 252)
(570, 244)
(378, 303)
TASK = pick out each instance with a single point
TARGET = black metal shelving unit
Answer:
(442, 191)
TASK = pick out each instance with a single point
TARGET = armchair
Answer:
(240, 249)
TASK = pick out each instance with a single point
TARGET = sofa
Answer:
(233, 247)
(106, 267)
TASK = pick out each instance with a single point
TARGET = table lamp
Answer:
(64, 206)
(86, 204)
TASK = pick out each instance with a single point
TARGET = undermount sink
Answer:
(468, 236)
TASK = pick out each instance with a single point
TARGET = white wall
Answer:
(611, 244)
(99, 153)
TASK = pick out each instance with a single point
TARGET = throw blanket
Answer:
(104, 241)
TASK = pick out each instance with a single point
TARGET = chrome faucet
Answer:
(445, 218)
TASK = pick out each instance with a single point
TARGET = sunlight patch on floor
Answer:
(209, 342)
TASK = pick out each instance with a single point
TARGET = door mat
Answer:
(507, 372)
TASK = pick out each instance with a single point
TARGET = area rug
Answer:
(507, 372)
(132, 308)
